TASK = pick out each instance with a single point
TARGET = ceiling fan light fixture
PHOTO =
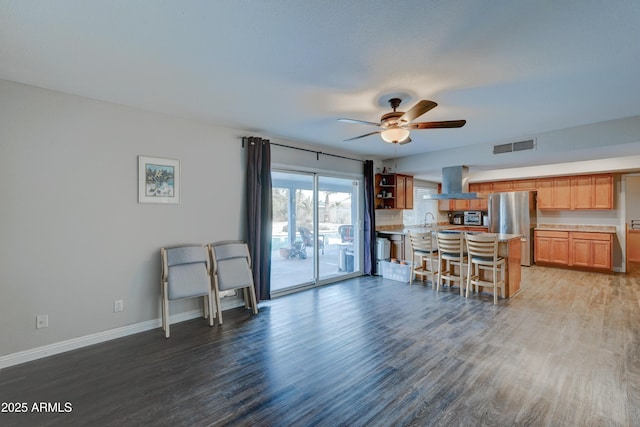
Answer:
(393, 135)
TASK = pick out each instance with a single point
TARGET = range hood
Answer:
(455, 185)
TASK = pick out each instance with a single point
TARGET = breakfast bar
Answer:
(509, 247)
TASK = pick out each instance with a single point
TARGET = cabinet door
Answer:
(399, 195)
(581, 252)
(562, 193)
(545, 193)
(483, 189)
(524, 185)
(602, 192)
(601, 254)
(408, 192)
(502, 186)
(461, 205)
(542, 249)
(478, 205)
(581, 192)
(560, 251)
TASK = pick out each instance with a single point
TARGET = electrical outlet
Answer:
(42, 321)
(118, 305)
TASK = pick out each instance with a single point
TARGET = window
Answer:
(421, 206)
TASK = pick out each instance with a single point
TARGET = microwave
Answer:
(472, 218)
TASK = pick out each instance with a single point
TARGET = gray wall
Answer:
(73, 237)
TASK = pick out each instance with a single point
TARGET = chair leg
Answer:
(245, 298)
(216, 293)
(413, 269)
(468, 278)
(495, 284)
(165, 316)
(254, 303)
(210, 305)
(205, 307)
(462, 282)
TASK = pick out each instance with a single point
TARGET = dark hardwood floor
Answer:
(365, 352)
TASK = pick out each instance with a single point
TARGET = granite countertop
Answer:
(502, 237)
(577, 227)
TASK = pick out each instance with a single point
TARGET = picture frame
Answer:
(158, 180)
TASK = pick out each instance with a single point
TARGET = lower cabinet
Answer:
(552, 247)
(574, 249)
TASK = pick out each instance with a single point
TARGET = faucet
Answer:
(425, 218)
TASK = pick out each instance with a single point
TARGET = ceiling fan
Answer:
(397, 124)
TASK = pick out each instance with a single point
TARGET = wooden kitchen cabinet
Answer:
(484, 189)
(592, 192)
(574, 249)
(554, 193)
(394, 191)
(499, 186)
(524, 185)
(408, 191)
(602, 191)
(551, 247)
(591, 250)
(581, 192)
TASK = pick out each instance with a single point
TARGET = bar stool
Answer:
(424, 250)
(451, 254)
(483, 256)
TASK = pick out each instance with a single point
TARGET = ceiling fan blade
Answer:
(406, 141)
(437, 125)
(358, 122)
(362, 136)
(417, 110)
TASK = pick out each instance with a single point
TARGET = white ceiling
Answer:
(289, 68)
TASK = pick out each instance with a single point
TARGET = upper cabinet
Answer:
(524, 185)
(500, 186)
(576, 192)
(556, 193)
(394, 191)
(483, 189)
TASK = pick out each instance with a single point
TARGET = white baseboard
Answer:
(60, 347)
(74, 343)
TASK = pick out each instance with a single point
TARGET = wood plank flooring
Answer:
(366, 352)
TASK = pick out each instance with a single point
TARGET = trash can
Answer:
(348, 261)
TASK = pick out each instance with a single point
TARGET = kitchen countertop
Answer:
(577, 227)
(502, 237)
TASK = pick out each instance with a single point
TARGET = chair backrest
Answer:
(186, 271)
(231, 264)
(305, 234)
(422, 242)
(346, 233)
(450, 243)
(483, 245)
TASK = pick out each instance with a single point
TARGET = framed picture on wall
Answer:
(158, 180)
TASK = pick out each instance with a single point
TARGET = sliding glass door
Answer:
(316, 236)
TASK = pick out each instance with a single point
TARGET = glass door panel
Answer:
(337, 227)
(292, 248)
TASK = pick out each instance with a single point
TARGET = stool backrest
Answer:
(483, 245)
(422, 242)
(450, 243)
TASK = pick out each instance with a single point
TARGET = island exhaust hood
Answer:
(455, 185)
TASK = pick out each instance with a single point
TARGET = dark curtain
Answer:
(369, 220)
(259, 213)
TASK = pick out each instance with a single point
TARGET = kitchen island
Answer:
(509, 247)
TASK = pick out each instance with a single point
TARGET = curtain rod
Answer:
(312, 151)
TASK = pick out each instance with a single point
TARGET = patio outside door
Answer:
(315, 233)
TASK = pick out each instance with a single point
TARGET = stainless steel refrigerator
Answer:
(515, 213)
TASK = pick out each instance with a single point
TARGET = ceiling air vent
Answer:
(529, 144)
